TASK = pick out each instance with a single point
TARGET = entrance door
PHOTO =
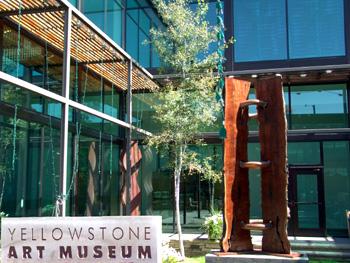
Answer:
(306, 201)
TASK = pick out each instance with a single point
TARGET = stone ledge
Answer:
(254, 258)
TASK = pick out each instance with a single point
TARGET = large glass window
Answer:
(316, 28)
(140, 18)
(93, 183)
(143, 111)
(107, 15)
(271, 30)
(30, 153)
(319, 106)
(132, 33)
(260, 30)
(303, 153)
(27, 60)
(337, 183)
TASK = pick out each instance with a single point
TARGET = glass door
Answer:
(306, 201)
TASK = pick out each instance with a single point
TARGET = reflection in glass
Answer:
(337, 183)
(304, 153)
(310, 32)
(259, 30)
(254, 182)
(308, 216)
(94, 168)
(307, 198)
(319, 106)
(29, 170)
(107, 15)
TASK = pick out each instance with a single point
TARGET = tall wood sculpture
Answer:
(272, 135)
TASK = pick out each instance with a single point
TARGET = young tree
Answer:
(213, 175)
(187, 103)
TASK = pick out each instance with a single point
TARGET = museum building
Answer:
(75, 88)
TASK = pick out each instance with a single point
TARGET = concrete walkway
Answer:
(314, 247)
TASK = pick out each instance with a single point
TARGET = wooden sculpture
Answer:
(272, 135)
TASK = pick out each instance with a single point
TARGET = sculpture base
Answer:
(254, 257)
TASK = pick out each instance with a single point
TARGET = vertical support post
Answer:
(236, 198)
(199, 196)
(1, 51)
(274, 178)
(65, 109)
(128, 139)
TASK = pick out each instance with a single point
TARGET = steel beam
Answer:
(65, 111)
(128, 139)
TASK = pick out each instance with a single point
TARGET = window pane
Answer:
(145, 50)
(30, 154)
(132, 34)
(304, 153)
(319, 106)
(93, 166)
(254, 182)
(260, 30)
(73, 2)
(337, 183)
(253, 124)
(307, 201)
(114, 21)
(94, 10)
(316, 28)
(145, 22)
(143, 112)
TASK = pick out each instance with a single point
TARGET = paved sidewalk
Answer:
(315, 247)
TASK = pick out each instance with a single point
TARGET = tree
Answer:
(187, 104)
(213, 175)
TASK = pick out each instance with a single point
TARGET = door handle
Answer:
(308, 203)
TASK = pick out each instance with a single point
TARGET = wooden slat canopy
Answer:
(45, 19)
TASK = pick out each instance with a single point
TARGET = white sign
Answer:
(122, 239)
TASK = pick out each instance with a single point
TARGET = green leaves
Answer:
(183, 45)
(188, 104)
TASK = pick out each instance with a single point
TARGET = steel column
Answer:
(65, 109)
(128, 138)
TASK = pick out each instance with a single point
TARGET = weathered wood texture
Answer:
(236, 200)
(274, 178)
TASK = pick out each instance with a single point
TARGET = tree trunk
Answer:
(212, 192)
(2, 190)
(177, 175)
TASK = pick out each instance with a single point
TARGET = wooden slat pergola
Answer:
(89, 45)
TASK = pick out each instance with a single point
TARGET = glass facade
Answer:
(337, 183)
(260, 30)
(30, 157)
(140, 18)
(293, 29)
(319, 106)
(31, 129)
(310, 32)
(131, 33)
(107, 15)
